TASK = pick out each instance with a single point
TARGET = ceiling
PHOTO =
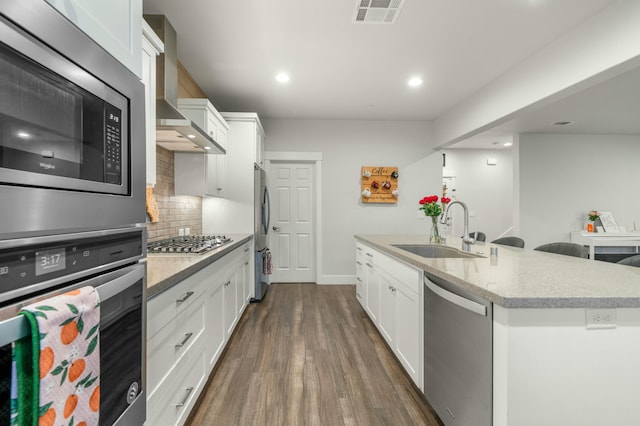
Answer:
(359, 71)
(610, 107)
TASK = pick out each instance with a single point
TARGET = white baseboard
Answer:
(337, 279)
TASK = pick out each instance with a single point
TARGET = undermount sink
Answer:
(433, 251)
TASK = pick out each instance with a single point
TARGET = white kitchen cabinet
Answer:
(361, 275)
(408, 330)
(202, 174)
(152, 46)
(114, 25)
(225, 302)
(394, 304)
(247, 131)
(373, 286)
(245, 278)
(216, 333)
(387, 316)
(230, 301)
(188, 327)
(175, 342)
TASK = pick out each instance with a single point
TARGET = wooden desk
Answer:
(604, 239)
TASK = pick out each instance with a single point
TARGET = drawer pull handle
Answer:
(184, 341)
(227, 284)
(358, 262)
(246, 249)
(369, 254)
(246, 263)
(359, 248)
(369, 265)
(186, 397)
(185, 297)
(358, 279)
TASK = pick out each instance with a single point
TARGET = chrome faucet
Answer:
(467, 240)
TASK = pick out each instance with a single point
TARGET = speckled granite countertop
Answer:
(524, 278)
(166, 270)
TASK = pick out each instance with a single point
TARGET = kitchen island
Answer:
(565, 331)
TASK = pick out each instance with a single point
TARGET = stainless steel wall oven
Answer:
(34, 269)
(72, 192)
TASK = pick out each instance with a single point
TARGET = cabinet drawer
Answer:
(164, 307)
(173, 342)
(173, 402)
(407, 275)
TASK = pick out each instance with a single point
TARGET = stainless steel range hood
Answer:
(174, 131)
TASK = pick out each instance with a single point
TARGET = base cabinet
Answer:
(361, 276)
(188, 327)
(216, 333)
(393, 301)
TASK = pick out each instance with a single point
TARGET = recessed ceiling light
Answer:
(207, 148)
(191, 136)
(507, 144)
(23, 135)
(414, 81)
(282, 77)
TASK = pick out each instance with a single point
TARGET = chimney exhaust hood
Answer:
(174, 131)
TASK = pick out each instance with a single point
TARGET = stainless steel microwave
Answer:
(72, 145)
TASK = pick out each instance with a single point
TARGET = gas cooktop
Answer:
(193, 244)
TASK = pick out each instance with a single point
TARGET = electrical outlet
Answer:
(180, 232)
(601, 318)
(187, 231)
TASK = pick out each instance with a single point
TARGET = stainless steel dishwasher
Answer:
(457, 353)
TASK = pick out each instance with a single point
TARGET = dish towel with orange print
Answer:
(58, 365)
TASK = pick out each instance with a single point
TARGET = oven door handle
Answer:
(17, 327)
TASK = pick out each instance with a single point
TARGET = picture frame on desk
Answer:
(608, 222)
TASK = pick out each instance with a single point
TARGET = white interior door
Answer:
(291, 186)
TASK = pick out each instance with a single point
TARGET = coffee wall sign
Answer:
(379, 184)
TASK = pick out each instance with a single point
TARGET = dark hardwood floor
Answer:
(309, 355)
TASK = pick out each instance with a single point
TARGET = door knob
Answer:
(276, 228)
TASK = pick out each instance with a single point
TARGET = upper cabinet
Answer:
(247, 130)
(151, 47)
(200, 174)
(114, 25)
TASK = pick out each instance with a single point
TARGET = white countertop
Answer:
(524, 278)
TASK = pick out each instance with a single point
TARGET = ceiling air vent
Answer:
(377, 11)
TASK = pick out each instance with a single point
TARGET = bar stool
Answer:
(481, 236)
(631, 261)
(510, 241)
(567, 249)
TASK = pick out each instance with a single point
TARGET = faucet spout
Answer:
(467, 240)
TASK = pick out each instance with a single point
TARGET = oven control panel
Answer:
(33, 264)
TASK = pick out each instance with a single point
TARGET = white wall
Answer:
(486, 190)
(562, 177)
(346, 146)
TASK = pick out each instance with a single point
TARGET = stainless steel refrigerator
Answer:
(261, 216)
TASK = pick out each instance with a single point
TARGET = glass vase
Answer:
(434, 236)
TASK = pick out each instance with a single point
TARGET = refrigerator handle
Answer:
(266, 215)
